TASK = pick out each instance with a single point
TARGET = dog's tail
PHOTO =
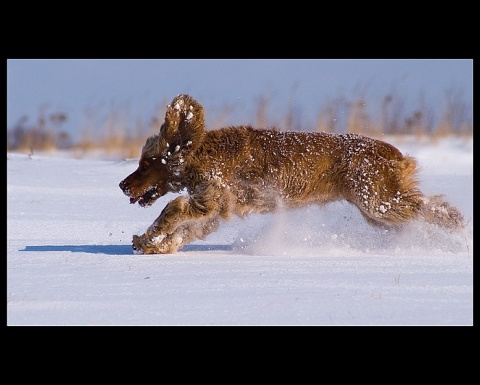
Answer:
(435, 210)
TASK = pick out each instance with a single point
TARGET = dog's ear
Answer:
(183, 129)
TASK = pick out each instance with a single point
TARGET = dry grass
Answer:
(110, 134)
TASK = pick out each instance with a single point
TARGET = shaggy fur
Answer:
(242, 170)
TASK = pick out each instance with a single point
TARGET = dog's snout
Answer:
(122, 185)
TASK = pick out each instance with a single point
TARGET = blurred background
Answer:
(110, 106)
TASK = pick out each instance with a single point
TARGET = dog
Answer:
(242, 170)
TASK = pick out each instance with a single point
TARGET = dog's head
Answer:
(165, 156)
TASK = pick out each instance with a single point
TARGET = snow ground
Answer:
(69, 257)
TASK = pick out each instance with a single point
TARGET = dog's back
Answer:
(267, 168)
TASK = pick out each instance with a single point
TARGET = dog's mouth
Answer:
(147, 198)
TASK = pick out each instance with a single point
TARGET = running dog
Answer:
(242, 170)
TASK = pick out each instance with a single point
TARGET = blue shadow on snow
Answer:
(117, 249)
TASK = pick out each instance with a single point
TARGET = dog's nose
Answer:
(122, 185)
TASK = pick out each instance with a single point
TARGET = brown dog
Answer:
(242, 170)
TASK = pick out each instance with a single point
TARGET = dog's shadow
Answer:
(117, 249)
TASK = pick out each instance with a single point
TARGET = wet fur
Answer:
(242, 170)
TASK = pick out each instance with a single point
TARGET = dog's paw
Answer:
(145, 244)
(159, 244)
(137, 245)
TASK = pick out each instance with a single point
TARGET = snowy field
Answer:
(70, 262)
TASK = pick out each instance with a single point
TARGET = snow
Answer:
(70, 261)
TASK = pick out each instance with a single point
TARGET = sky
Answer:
(139, 87)
(70, 260)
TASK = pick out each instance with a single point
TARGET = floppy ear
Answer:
(183, 129)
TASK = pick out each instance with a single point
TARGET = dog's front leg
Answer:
(175, 212)
(154, 240)
(161, 237)
(184, 234)
(160, 244)
(148, 244)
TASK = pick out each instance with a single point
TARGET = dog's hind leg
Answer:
(435, 210)
(385, 190)
(387, 193)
